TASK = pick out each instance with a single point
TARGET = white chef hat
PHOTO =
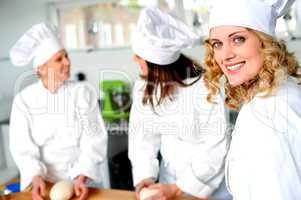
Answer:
(159, 37)
(39, 44)
(260, 15)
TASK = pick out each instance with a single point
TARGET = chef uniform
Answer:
(54, 135)
(189, 132)
(264, 160)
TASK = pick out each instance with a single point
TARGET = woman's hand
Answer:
(80, 188)
(38, 188)
(165, 191)
(144, 183)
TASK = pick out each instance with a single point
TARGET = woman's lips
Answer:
(234, 68)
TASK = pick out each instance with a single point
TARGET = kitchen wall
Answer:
(15, 17)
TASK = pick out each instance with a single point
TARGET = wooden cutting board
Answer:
(94, 194)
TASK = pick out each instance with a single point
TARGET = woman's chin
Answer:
(234, 83)
(64, 78)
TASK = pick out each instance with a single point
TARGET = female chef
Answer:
(264, 160)
(56, 131)
(170, 114)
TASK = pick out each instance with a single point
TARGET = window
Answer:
(99, 24)
(197, 15)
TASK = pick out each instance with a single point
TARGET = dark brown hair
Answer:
(163, 80)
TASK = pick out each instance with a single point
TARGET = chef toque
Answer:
(39, 44)
(260, 15)
(159, 37)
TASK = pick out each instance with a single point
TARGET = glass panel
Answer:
(197, 15)
(101, 25)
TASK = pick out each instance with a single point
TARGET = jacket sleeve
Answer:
(93, 135)
(206, 170)
(25, 152)
(144, 142)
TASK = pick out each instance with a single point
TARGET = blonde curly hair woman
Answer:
(264, 156)
(278, 62)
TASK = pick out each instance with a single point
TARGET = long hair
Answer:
(163, 80)
(278, 63)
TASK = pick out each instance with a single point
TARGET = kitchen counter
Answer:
(94, 194)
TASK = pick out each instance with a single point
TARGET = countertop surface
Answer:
(94, 194)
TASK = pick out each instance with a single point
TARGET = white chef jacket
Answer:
(190, 134)
(58, 136)
(264, 160)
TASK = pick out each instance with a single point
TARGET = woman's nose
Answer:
(135, 58)
(228, 52)
(66, 61)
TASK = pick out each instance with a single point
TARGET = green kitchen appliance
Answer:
(116, 100)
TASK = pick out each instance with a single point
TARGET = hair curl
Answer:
(278, 63)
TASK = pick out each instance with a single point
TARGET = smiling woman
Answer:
(261, 82)
(235, 50)
(252, 61)
(55, 71)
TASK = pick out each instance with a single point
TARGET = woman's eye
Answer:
(239, 39)
(216, 45)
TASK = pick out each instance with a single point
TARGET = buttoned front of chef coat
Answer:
(264, 160)
(58, 136)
